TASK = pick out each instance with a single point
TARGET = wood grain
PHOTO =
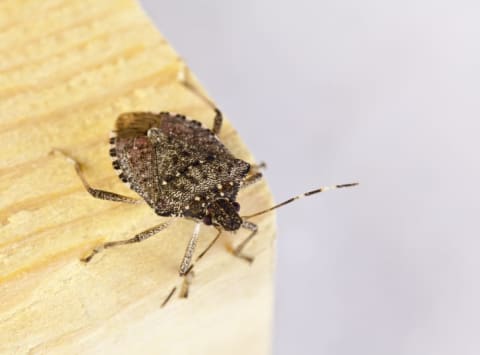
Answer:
(66, 73)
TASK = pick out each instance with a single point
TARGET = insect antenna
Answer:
(306, 194)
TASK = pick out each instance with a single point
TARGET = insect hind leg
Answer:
(183, 79)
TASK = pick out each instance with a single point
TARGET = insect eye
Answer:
(207, 220)
(236, 205)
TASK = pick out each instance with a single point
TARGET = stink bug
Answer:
(181, 169)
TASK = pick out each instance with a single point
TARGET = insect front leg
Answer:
(136, 239)
(257, 167)
(255, 174)
(217, 121)
(185, 271)
(187, 258)
(252, 179)
(100, 194)
(187, 281)
(214, 240)
(238, 251)
(186, 266)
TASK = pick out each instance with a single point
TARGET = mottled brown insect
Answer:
(181, 169)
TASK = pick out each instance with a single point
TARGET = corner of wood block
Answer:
(66, 74)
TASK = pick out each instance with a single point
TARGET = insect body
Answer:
(179, 168)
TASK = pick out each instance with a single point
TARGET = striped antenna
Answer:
(309, 193)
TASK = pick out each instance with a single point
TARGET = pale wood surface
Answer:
(67, 69)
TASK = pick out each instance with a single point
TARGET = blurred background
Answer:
(381, 92)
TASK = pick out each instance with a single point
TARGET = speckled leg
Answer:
(188, 274)
(252, 179)
(257, 167)
(187, 258)
(217, 121)
(202, 254)
(238, 251)
(138, 238)
(100, 194)
(187, 281)
(183, 78)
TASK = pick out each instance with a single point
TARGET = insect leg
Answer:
(187, 281)
(250, 180)
(256, 167)
(238, 251)
(217, 121)
(255, 174)
(186, 265)
(100, 194)
(188, 273)
(183, 78)
(169, 296)
(202, 254)
(136, 239)
(187, 258)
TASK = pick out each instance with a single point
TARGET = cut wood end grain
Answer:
(65, 75)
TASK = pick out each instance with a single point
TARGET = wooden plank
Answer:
(66, 73)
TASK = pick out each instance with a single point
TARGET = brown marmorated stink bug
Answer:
(181, 169)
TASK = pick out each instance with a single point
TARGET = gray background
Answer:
(383, 92)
